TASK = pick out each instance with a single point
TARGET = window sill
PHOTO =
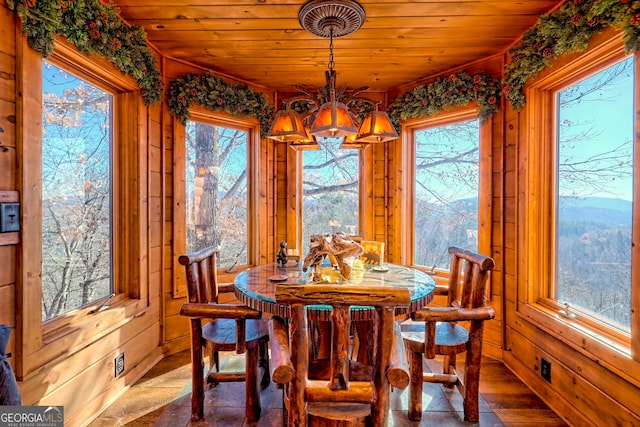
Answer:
(78, 330)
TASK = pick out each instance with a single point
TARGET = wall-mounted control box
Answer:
(9, 217)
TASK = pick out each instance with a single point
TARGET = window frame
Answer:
(252, 127)
(409, 130)
(535, 301)
(41, 342)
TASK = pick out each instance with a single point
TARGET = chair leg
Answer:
(415, 386)
(214, 361)
(449, 368)
(471, 384)
(264, 364)
(252, 390)
(197, 368)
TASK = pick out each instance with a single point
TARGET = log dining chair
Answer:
(228, 327)
(442, 333)
(337, 390)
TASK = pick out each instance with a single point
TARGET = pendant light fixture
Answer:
(329, 115)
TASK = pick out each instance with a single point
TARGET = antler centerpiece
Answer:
(338, 247)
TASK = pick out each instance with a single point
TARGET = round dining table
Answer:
(256, 287)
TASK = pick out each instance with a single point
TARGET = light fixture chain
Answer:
(331, 62)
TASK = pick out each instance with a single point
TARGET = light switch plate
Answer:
(9, 217)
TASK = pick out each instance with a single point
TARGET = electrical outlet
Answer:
(545, 369)
(119, 364)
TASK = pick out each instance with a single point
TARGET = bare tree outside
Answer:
(216, 191)
(446, 191)
(76, 192)
(595, 195)
(330, 191)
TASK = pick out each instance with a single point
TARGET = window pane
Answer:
(594, 196)
(446, 191)
(216, 191)
(330, 191)
(76, 192)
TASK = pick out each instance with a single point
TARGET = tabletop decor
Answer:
(341, 250)
(94, 28)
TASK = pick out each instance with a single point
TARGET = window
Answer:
(579, 273)
(331, 194)
(216, 190)
(84, 200)
(446, 177)
(594, 199)
(76, 192)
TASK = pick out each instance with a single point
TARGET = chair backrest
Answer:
(201, 274)
(468, 276)
(345, 382)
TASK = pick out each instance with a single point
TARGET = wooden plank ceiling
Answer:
(400, 42)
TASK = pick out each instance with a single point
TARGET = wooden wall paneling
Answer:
(486, 187)
(99, 378)
(367, 192)
(282, 198)
(29, 151)
(8, 271)
(179, 218)
(267, 201)
(292, 175)
(7, 33)
(558, 404)
(133, 179)
(392, 240)
(264, 206)
(398, 246)
(71, 364)
(518, 269)
(8, 158)
(602, 397)
(157, 225)
(380, 193)
(115, 390)
(7, 74)
(8, 297)
(490, 225)
(175, 325)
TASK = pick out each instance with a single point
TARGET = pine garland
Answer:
(444, 93)
(217, 94)
(566, 30)
(94, 28)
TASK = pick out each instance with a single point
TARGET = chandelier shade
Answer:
(333, 120)
(350, 143)
(309, 143)
(376, 127)
(287, 126)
